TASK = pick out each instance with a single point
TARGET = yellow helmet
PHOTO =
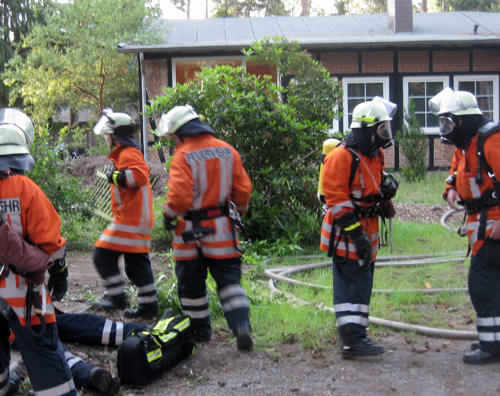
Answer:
(454, 102)
(16, 132)
(110, 121)
(175, 118)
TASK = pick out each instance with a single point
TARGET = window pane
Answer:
(374, 89)
(432, 120)
(356, 90)
(433, 88)
(485, 104)
(420, 104)
(488, 114)
(466, 86)
(185, 71)
(352, 103)
(417, 89)
(232, 63)
(484, 88)
(259, 70)
(421, 119)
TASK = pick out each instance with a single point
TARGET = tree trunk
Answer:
(206, 9)
(424, 6)
(305, 7)
(188, 9)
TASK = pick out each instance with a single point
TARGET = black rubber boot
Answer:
(244, 340)
(362, 347)
(110, 303)
(14, 383)
(480, 357)
(102, 381)
(202, 333)
(474, 346)
(143, 311)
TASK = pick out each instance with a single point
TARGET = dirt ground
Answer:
(412, 365)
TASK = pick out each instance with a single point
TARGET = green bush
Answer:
(71, 200)
(413, 143)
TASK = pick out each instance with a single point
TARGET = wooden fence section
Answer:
(102, 194)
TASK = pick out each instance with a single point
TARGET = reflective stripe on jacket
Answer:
(465, 162)
(206, 172)
(28, 211)
(132, 207)
(335, 178)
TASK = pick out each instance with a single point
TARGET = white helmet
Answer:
(454, 102)
(110, 121)
(175, 118)
(16, 132)
(368, 114)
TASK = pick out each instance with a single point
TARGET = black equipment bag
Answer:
(145, 355)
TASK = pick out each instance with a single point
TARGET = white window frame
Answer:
(483, 77)
(406, 99)
(364, 80)
(208, 60)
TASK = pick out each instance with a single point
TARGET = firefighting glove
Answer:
(167, 223)
(351, 226)
(58, 280)
(117, 178)
(389, 187)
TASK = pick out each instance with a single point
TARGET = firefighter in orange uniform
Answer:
(208, 188)
(130, 232)
(473, 183)
(355, 186)
(26, 306)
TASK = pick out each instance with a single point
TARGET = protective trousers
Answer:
(352, 289)
(43, 357)
(484, 290)
(93, 329)
(193, 296)
(137, 268)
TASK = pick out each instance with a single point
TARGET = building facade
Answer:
(397, 56)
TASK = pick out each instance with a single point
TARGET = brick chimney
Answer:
(400, 15)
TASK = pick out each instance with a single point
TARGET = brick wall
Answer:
(156, 76)
(389, 157)
(378, 62)
(443, 153)
(341, 63)
(486, 61)
(413, 62)
(448, 61)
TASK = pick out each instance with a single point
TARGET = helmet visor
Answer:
(165, 126)
(19, 119)
(446, 125)
(102, 126)
(389, 106)
(384, 130)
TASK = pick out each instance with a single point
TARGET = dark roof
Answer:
(336, 31)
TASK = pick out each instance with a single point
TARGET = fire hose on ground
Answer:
(281, 275)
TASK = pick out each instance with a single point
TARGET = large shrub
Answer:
(280, 152)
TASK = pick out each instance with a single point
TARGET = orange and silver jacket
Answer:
(132, 226)
(464, 163)
(338, 197)
(29, 212)
(206, 172)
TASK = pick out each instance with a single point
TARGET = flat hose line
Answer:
(279, 274)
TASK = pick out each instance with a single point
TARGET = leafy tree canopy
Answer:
(16, 17)
(72, 61)
(247, 8)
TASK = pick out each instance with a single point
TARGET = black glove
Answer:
(389, 187)
(167, 223)
(117, 178)
(351, 225)
(58, 280)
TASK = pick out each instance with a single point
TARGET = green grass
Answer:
(428, 191)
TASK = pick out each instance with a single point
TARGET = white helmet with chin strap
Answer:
(454, 102)
(16, 132)
(110, 121)
(377, 111)
(174, 119)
